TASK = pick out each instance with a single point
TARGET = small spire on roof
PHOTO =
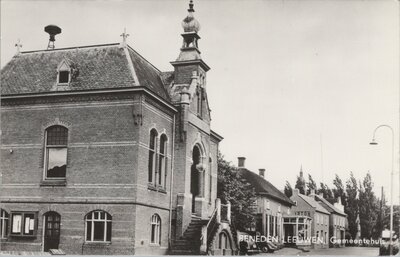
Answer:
(19, 46)
(124, 37)
(191, 6)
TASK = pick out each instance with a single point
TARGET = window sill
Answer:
(97, 243)
(22, 236)
(53, 182)
(157, 189)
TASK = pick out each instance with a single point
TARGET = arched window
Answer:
(224, 242)
(155, 223)
(56, 152)
(162, 161)
(152, 156)
(98, 226)
(3, 223)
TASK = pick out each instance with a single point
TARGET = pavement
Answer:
(358, 251)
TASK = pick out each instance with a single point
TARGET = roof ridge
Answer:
(152, 65)
(68, 48)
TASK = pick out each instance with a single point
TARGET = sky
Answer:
(292, 83)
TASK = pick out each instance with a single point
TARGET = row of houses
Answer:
(303, 221)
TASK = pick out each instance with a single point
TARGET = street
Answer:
(359, 251)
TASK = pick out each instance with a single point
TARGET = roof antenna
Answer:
(19, 46)
(53, 30)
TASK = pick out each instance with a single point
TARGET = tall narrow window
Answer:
(56, 152)
(162, 161)
(3, 223)
(152, 156)
(98, 226)
(155, 223)
(210, 181)
(199, 101)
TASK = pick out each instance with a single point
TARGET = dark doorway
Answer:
(194, 177)
(289, 234)
(51, 231)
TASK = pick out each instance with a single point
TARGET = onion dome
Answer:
(190, 24)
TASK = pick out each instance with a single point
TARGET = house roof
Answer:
(310, 200)
(328, 206)
(263, 187)
(95, 67)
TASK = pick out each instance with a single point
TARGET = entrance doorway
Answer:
(51, 230)
(194, 177)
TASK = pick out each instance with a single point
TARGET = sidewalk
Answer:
(284, 251)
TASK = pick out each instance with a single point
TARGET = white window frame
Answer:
(90, 218)
(155, 222)
(46, 154)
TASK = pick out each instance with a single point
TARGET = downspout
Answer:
(171, 185)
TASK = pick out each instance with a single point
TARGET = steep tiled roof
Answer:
(99, 67)
(313, 203)
(263, 187)
(328, 206)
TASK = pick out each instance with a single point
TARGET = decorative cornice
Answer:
(87, 95)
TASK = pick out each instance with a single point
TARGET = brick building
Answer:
(337, 219)
(318, 230)
(271, 204)
(102, 153)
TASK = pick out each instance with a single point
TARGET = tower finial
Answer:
(191, 6)
(19, 46)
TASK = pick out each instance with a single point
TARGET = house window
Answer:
(155, 223)
(56, 152)
(3, 223)
(23, 223)
(162, 162)
(63, 77)
(152, 156)
(98, 226)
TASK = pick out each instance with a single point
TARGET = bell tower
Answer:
(189, 60)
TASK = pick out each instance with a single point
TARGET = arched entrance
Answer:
(195, 176)
(51, 230)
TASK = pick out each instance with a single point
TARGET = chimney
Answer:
(241, 162)
(339, 200)
(261, 172)
(321, 195)
(312, 192)
(296, 191)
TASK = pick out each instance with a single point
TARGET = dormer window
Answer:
(64, 70)
(63, 77)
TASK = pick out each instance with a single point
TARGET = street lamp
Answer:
(373, 142)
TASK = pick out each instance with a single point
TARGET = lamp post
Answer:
(373, 142)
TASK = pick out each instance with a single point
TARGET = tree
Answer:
(288, 189)
(326, 192)
(338, 190)
(369, 208)
(311, 185)
(238, 192)
(351, 208)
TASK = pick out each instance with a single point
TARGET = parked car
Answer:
(249, 245)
